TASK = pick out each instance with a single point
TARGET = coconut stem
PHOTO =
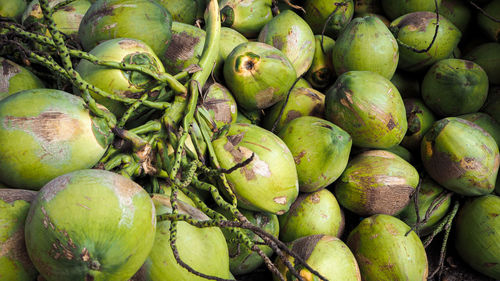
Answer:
(330, 17)
(442, 224)
(484, 12)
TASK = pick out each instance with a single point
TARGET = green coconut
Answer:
(301, 102)
(185, 11)
(420, 119)
(408, 85)
(250, 73)
(12, 8)
(321, 72)
(229, 39)
(386, 251)
(376, 182)
(328, 255)
(401, 152)
(486, 122)
(396, 8)
(203, 249)
(458, 12)
(367, 6)
(245, 16)
(15, 264)
(269, 181)
(416, 31)
(45, 133)
(144, 20)
(220, 104)
(366, 44)
(67, 18)
(461, 156)
(16, 78)
(312, 213)
(369, 107)
(487, 55)
(430, 195)
(90, 225)
(320, 150)
(241, 259)
(292, 35)
(478, 234)
(318, 12)
(453, 87)
(129, 84)
(490, 27)
(185, 48)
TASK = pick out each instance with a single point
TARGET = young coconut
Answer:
(203, 249)
(478, 234)
(247, 16)
(269, 181)
(185, 11)
(376, 182)
(488, 57)
(45, 133)
(486, 122)
(384, 251)
(461, 156)
(312, 213)
(318, 12)
(366, 44)
(290, 34)
(12, 9)
(15, 265)
(320, 150)
(144, 20)
(116, 81)
(321, 73)
(328, 255)
(16, 78)
(420, 119)
(220, 104)
(396, 8)
(489, 26)
(250, 73)
(369, 107)
(90, 225)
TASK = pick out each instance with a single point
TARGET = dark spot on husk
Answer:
(291, 115)
(490, 264)
(493, 215)
(68, 8)
(391, 125)
(315, 197)
(236, 139)
(325, 126)
(443, 167)
(469, 64)
(132, 95)
(181, 47)
(265, 98)
(305, 246)
(97, 14)
(11, 195)
(221, 109)
(387, 199)
(53, 187)
(299, 156)
(8, 70)
(15, 248)
(278, 42)
(416, 21)
(249, 65)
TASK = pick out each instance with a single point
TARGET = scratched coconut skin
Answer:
(63, 247)
(54, 134)
(16, 78)
(269, 182)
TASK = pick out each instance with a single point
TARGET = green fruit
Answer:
(326, 254)
(144, 20)
(461, 156)
(203, 249)
(453, 86)
(491, 28)
(67, 18)
(458, 12)
(184, 49)
(318, 12)
(386, 251)
(478, 234)
(366, 44)
(245, 16)
(221, 105)
(16, 78)
(129, 84)
(430, 195)
(487, 55)
(401, 152)
(243, 260)
(416, 31)
(185, 11)
(250, 73)
(368, 107)
(420, 119)
(367, 6)
(312, 213)
(290, 34)
(301, 102)
(269, 182)
(396, 8)
(408, 85)
(376, 182)
(320, 150)
(45, 133)
(321, 72)
(486, 122)
(12, 8)
(90, 225)
(15, 264)
(229, 39)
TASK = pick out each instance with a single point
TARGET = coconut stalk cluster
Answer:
(248, 139)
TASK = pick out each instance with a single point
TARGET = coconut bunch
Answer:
(249, 140)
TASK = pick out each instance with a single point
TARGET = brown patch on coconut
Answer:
(14, 248)
(299, 156)
(304, 246)
(54, 186)
(265, 98)
(95, 15)
(221, 109)
(181, 47)
(387, 199)
(280, 200)
(9, 196)
(291, 115)
(8, 70)
(418, 21)
(442, 166)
